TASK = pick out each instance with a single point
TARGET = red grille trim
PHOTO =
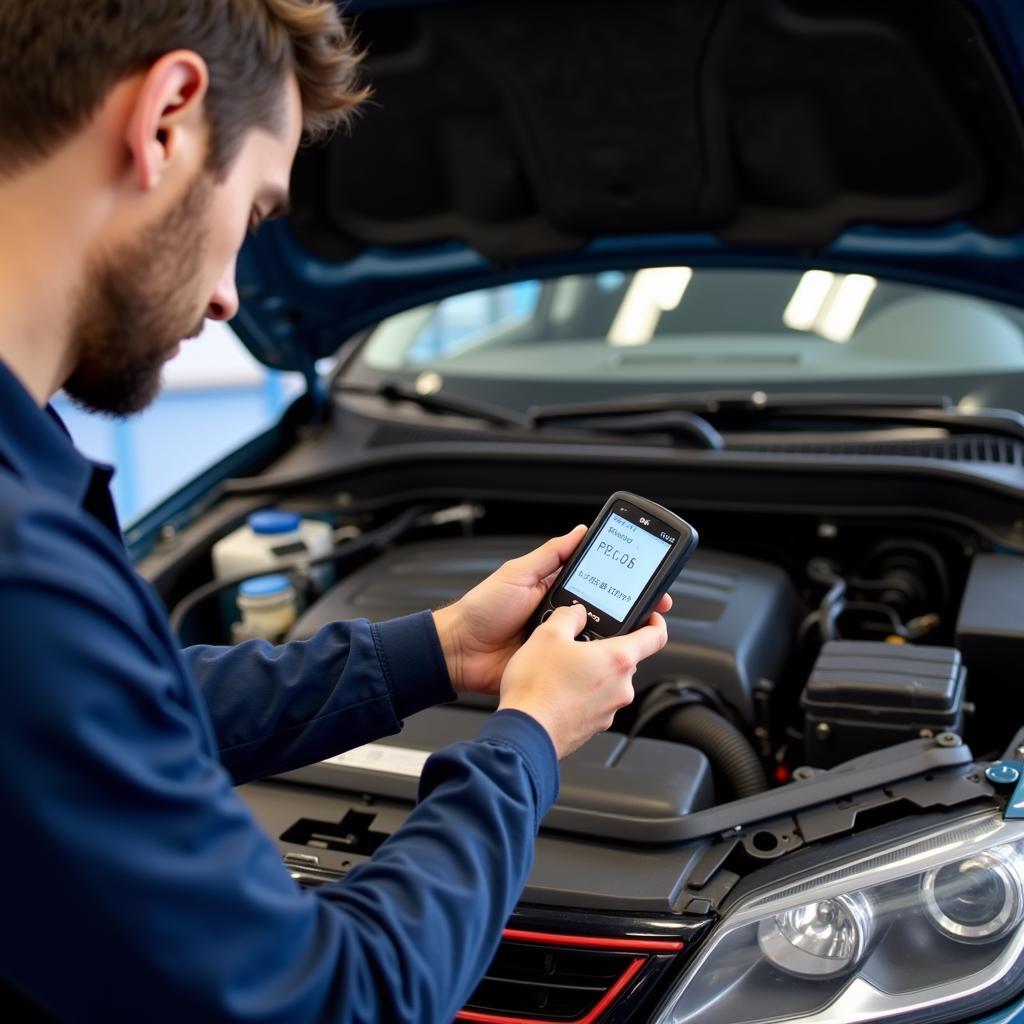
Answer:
(620, 945)
(588, 1018)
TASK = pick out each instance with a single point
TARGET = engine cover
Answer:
(730, 625)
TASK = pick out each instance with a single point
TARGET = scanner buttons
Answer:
(545, 615)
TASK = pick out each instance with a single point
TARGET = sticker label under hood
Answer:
(381, 757)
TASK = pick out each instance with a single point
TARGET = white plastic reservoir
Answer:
(268, 540)
(269, 609)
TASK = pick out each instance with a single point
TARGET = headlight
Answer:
(926, 930)
(977, 899)
(824, 937)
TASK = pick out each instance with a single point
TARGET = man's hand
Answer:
(573, 689)
(481, 631)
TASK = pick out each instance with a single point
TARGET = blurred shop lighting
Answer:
(652, 292)
(846, 306)
(829, 304)
(429, 383)
(808, 300)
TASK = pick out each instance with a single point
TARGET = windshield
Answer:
(674, 329)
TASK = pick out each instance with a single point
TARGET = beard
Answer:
(134, 307)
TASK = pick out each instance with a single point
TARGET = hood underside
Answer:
(511, 138)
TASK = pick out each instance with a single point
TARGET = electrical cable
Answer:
(365, 543)
(831, 606)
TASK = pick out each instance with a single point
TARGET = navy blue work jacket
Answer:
(136, 885)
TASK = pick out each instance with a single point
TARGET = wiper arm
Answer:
(885, 410)
(677, 422)
(672, 421)
(753, 403)
(396, 391)
(686, 415)
(743, 409)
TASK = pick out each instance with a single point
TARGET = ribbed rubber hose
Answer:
(728, 750)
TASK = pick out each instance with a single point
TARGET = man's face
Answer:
(139, 299)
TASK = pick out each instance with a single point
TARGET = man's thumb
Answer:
(568, 620)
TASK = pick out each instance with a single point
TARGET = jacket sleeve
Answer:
(155, 894)
(278, 708)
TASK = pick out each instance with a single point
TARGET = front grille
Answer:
(968, 448)
(542, 977)
(549, 977)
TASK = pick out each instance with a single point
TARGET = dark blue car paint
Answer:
(297, 308)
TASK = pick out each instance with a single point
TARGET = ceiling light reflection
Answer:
(808, 299)
(846, 306)
(829, 304)
(652, 292)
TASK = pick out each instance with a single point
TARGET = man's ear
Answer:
(167, 121)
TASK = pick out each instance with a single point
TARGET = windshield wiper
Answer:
(699, 417)
(668, 421)
(396, 391)
(677, 422)
(742, 410)
(707, 403)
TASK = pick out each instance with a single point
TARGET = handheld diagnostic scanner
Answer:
(630, 556)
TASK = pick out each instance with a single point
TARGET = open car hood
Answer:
(511, 139)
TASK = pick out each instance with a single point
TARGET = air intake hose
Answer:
(731, 755)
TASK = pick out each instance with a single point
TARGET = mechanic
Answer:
(139, 139)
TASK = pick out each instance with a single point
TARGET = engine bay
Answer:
(841, 645)
(764, 675)
(814, 660)
(821, 677)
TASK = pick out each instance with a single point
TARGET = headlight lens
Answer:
(922, 931)
(820, 938)
(978, 899)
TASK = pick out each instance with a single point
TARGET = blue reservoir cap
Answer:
(264, 586)
(274, 520)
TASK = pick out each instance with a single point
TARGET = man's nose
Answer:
(224, 301)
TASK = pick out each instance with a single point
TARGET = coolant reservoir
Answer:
(268, 607)
(269, 539)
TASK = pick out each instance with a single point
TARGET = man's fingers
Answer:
(665, 604)
(645, 641)
(568, 620)
(544, 562)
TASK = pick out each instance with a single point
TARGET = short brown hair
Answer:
(60, 59)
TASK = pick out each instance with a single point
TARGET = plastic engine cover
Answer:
(730, 625)
(608, 778)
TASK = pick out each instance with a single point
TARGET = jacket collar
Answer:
(36, 446)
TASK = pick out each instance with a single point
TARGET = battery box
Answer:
(990, 636)
(863, 695)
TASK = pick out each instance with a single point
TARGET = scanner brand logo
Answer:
(644, 522)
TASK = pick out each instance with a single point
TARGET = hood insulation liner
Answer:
(526, 128)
